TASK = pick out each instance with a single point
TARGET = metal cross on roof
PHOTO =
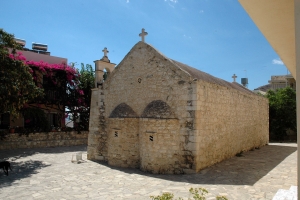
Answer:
(143, 34)
(234, 77)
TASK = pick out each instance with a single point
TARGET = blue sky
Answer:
(217, 37)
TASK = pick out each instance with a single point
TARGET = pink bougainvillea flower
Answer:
(79, 101)
(27, 121)
(81, 92)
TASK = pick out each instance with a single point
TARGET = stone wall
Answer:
(123, 142)
(51, 139)
(227, 122)
(97, 138)
(160, 147)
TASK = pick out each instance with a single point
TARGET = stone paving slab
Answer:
(48, 173)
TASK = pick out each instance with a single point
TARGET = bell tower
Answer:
(97, 149)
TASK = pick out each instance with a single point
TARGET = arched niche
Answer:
(123, 111)
(159, 110)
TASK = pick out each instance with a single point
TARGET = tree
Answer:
(17, 85)
(282, 111)
(85, 84)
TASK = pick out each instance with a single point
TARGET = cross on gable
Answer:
(143, 34)
(234, 77)
(105, 52)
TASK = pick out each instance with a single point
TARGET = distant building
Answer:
(284, 81)
(277, 82)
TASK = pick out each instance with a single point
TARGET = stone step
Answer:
(290, 194)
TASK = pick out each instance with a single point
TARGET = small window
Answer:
(151, 138)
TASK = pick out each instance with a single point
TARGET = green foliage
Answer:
(282, 111)
(86, 82)
(87, 78)
(197, 194)
(7, 41)
(17, 86)
(221, 198)
(164, 196)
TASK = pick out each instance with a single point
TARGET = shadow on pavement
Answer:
(23, 169)
(19, 171)
(15, 154)
(245, 170)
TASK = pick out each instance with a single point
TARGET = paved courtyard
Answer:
(48, 173)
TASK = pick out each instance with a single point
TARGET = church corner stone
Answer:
(158, 115)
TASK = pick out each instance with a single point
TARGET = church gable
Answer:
(148, 57)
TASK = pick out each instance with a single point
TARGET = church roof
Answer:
(200, 75)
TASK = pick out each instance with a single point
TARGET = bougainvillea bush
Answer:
(61, 89)
(43, 86)
(17, 86)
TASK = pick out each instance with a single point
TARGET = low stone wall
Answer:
(51, 139)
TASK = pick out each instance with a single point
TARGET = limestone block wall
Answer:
(228, 122)
(97, 138)
(51, 139)
(123, 142)
(160, 148)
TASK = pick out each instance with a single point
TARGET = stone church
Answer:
(162, 116)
